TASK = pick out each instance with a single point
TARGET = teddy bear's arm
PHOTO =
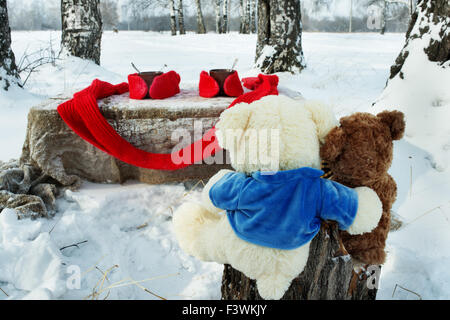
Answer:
(356, 210)
(206, 200)
(369, 211)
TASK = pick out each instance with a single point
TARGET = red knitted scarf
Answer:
(83, 116)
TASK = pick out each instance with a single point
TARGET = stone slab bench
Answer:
(57, 151)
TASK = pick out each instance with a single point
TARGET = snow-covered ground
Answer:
(128, 228)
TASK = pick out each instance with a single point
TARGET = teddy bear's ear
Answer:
(334, 143)
(395, 120)
(323, 116)
(233, 122)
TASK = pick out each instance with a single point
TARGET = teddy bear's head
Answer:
(360, 151)
(274, 133)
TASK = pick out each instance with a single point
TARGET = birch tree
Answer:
(181, 17)
(245, 16)
(279, 45)
(429, 31)
(253, 16)
(248, 15)
(8, 68)
(218, 16)
(173, 19)
(81, 29)
(225, 9)
(200, 21)
(383, 16)
(242, 16)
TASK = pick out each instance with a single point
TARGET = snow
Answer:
(128, 227)
(427, 107)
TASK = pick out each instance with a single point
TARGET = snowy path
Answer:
(348, 71)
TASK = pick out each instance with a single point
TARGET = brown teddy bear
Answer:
(359, 153)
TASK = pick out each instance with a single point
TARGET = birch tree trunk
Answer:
(242, 16)
(225, 16)
(8, 68)
(218, 17)
(245, 23)
(383, 17)
(181, 17)
(430, 23)
(200, 21)
(279, 46)
(253, 17)
(248, 15)
(350, 23)
(82, 29)
(173, 18)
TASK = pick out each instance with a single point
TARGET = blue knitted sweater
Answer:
(283, 210)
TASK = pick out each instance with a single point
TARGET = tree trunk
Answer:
(429, 19)
(225, 16)
(279, 46)
(253, 17)
(218, 17)
(245, 23)
(82, 28)
(242, 16)
(248, 15)
(328, 275)
(200, 21)
(173, 18)
(383, 17)
(350, 24)
(181, 17)
(8, 68)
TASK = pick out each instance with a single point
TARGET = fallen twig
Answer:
(148, 291)
(4, 292)
(74, 245)
(125, 283)
(422, 215)
(96, 293)
(94, 266)
(397, 285)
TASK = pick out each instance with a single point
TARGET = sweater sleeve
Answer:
(225, 193)
(339, 203)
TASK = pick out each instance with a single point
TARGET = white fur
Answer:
(210, 237)
(206, 234)
(301, 125)
(369, 211)
(206, 201)
(323, 116)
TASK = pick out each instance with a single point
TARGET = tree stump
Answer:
(53, 148)
(328, 275)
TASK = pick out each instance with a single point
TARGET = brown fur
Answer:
(359, 153)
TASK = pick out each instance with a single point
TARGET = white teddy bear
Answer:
(261, 218)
